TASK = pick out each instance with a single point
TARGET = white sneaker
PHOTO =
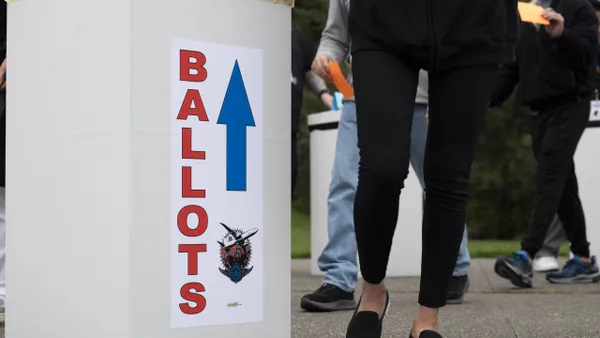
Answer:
(545, 264)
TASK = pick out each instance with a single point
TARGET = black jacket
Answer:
(444, 33)
(302, 57)
(553, 71)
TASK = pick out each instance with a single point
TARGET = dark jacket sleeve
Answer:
(308, 53)
(508, 77)
(579, 43)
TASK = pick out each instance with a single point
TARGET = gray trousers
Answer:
(554, 238)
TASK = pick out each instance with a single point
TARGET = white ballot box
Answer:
(587, 167)
(405, 258)
(148, 169)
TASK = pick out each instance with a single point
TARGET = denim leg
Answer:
(339, 258)
(417, 156)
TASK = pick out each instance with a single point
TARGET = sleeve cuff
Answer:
(566, 39)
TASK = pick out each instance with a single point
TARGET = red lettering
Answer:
(192, 251)
(186, 146)
(186, 185)
(182, 221)
(187, 294)
(192, 60)
(192, 106)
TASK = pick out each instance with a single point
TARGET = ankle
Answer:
(374, 288)
(426, 319)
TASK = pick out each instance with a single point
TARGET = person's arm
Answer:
(318, 87)
(314, 83)
(508, 77)
(578, 43)
(335, 39)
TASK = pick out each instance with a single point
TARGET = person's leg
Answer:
(384, 143)
(555, 136)
(562, 130)
(338, 259)
(571, 213)
(546, 259)
(460, 281)
(554, 239)
(458, 101)
(581, 267)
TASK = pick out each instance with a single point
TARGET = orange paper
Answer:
(340, 81)
(532, 13)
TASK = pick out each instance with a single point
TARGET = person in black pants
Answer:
(554, 67)
(461, 43)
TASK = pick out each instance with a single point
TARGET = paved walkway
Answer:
(492, 309)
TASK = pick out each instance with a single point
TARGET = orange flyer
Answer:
(532, 13)
(340, 81)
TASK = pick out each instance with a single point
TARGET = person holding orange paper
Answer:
(338, 259)
(555, 69)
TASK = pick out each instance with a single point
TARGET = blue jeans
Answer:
(339, 258)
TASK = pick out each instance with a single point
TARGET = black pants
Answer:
(555, 135)
(385, 88)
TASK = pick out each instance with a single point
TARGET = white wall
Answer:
(88, 163)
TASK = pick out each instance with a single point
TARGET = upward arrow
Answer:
(236, 114)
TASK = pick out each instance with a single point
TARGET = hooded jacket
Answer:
(336, 41)
(437, 34)
(553, 71)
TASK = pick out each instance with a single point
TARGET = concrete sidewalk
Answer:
(493, 308)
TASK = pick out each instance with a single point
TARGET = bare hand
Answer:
(327, 100)
(2, 72)
(427, 116)
(320, 66)
(557, 22)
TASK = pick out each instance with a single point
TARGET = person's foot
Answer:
(545, 264)
(517, 269)
(459, 286)
(367, 322)
(425, 324)
(427, 334)
(328, 298)
(576, 271)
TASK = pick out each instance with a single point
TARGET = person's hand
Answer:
(427, 116)
(320, 66)
(557, 22)
(327, 100)
(2, 72)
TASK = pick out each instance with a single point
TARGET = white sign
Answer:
(595, 111)
(216, 180)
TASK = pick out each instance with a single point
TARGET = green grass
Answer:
(484, 248)
(477, 248)
(300, 235)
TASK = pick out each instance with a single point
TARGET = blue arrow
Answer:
(236, 114)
